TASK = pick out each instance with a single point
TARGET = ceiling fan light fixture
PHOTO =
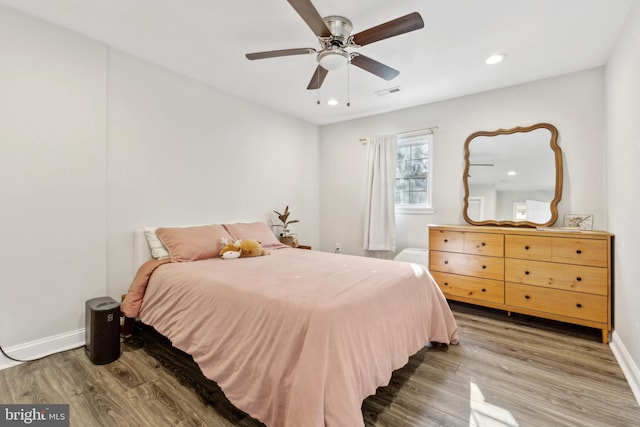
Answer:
(333, 59)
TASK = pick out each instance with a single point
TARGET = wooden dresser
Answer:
(559, 275)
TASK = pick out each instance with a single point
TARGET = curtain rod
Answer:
(429, 129)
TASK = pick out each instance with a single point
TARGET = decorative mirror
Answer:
(513, 176)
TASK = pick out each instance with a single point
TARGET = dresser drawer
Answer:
(580, 251)
(445, 240)
(565, 303)
(468, 265)
(484, 244)
(453, 285)
(592, 280)
(528, 247)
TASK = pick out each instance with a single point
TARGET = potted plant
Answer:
(285, 235)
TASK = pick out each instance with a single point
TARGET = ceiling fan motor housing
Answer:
(340, 28)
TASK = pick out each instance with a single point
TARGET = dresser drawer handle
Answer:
(483, 244)
(579, 279)
(446, 262)
(527, 297)
(484, 267)
(484, 290)
(578, 251)
(526, 248)
(446, 240)
(446, 283)
(579, 305)
(526, 272)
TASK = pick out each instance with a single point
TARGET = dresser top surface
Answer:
(548, 231)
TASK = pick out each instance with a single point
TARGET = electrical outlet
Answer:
(338, 247)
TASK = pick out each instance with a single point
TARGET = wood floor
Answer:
(505, 372)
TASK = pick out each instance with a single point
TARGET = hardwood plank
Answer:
(103, 406)
(5, 396)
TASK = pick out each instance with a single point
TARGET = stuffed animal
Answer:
(250, 247)
(242, 249)
(230, 250)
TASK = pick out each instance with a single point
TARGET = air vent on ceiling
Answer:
(384, 92)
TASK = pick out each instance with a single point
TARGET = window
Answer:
(413, 173)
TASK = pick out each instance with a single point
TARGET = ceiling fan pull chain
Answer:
(348, 85)
(318, 78)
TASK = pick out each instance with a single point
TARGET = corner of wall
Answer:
(628, 366)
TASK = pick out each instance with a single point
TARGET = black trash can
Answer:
(102, 330)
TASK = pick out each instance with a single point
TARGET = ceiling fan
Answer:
(334, 35)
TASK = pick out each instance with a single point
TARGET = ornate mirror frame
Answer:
(553, 143)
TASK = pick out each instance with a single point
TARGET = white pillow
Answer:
(157, 248)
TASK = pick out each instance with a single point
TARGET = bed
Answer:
(294, 338)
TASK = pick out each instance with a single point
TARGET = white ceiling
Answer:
(207, 40)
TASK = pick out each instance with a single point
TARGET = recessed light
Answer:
(332, 102)
(512, 173)
(496, 59)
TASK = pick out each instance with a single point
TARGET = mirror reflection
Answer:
(513, 176)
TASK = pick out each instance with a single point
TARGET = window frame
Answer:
(409, 139)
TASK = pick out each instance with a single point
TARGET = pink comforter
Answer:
(298, 338)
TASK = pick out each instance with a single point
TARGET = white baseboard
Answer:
(43, 347)
(628, 366)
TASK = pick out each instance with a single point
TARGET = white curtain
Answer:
(380, 220)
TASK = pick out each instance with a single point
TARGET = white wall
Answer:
(94, 143)
(574, 103)
(52, 178)
(182, 152)
(623, 190)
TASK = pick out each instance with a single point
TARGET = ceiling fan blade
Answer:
(374, 67)
(276, 53)
(404, 24)
(317, 78)
(310, 15)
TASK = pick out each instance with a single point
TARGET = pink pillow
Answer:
(253, 230)
(193, 243)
